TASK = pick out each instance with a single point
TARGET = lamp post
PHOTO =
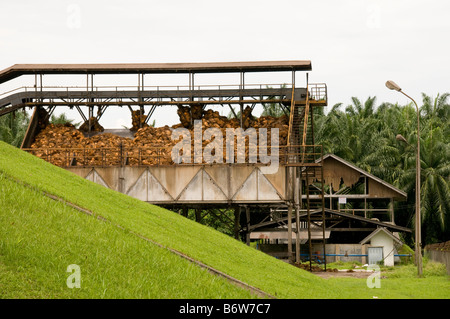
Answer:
(418, 246)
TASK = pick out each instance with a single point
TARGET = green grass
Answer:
(429, 269)
(399, 282)
(165, 227)
(40, 237)
(396, 288)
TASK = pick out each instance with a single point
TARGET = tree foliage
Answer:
(62, 119)
(364, 134)
(13, 127)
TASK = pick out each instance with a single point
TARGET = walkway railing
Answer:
(162, 155)
(118, 88)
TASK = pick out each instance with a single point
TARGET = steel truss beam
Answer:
(141, 98)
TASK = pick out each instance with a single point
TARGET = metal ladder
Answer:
(304, 156)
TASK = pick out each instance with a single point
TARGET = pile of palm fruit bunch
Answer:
(94, 126)
(52, 142)
(138, 120)
(64, 145)
(188, 114)
(154, 145)
(105, 150)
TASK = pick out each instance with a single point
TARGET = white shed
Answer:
(382, 246)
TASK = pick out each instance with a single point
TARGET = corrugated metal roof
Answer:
(381, 229)
(134, 68)
(342, 214)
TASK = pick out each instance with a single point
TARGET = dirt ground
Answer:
(333, 272)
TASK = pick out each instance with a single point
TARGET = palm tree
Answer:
(328, 132)
(435, 185)
(436, 164)
(361, 111)
(274, 109)
(62, 119)
(386, 159)
(13, 127)
(365, 135)
(436, 112)
(352, 134)
(438, 108)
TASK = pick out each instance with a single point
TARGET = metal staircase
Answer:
(305, 157)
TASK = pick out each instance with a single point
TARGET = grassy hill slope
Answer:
(41, 237)
(162, 226)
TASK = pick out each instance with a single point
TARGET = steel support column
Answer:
(290, 231)
(237, 215)
(323, 213)
(247, 235)
(308, 216)
(297, 213)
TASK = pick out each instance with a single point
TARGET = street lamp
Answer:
(393, 86)
(400, 138)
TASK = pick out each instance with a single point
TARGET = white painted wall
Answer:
(383, 240)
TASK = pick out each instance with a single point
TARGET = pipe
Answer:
(336, 255)
(353, 255)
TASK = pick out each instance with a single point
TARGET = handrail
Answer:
(318, 91)
(260, 86)
(153, 155)
(16, 89)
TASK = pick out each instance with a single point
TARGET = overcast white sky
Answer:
(354, 45)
